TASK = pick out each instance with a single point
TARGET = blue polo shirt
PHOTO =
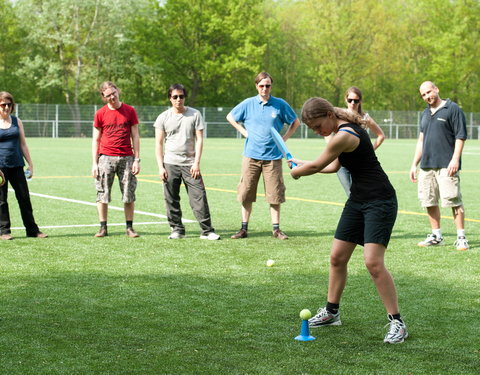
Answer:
(440, 131)
(258, 118)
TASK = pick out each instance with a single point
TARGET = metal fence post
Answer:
(55, 132)
(205, 133)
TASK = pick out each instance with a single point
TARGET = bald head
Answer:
(427, 84)
(429, 93)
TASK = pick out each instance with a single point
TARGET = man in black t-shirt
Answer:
(439, 149)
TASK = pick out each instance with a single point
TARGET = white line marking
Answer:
(94, 204)
(93, 225)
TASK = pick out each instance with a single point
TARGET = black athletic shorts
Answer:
(367, 222)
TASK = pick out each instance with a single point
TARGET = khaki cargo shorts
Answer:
(272, 180)
(435, 185)
(108, 167)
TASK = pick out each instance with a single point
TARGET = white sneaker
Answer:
(397, 332)
(461, 243)
(212, 236)
(431, 240)
(176, 236)
(324, 318)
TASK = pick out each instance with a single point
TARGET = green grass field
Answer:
(75, 304)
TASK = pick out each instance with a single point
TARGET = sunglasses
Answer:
(110, 95)
(262, 86)
(175, 97)
(5, 105)
(356, 101)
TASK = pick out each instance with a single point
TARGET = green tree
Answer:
(10, 48)
(214, 47)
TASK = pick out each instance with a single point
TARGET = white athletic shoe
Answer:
(324, 318)
(176, 236)
(461, 243)
(397, 332)
(431, 240)
(212, 236)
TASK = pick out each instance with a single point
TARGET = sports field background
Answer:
(75, 304)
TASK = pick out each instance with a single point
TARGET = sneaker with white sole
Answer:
(431, 240)
(176, 236)
(324, 318)
(461, 243)
(397, 332)
(212, 236)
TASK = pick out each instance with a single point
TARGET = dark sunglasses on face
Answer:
(110, 95)
(356, 101)
(5, 105)
(175, 97)
(262, 86)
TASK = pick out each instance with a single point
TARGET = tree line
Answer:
(59, 51)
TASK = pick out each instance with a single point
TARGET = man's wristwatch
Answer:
(137, 159)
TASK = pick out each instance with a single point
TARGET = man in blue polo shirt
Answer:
(258, 115)
(439, 149)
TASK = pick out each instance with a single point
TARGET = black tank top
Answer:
(369, 181)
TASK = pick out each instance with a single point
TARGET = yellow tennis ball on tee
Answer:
(305, 314)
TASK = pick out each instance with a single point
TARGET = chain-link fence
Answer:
(61, 120)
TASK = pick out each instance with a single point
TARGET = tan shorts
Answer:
(272, 180)
(108, 167)
(435, 184)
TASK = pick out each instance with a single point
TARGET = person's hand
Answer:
(453, 167)
(94, 170)
(136, 167)
(29, 173)
(195, 171)
(298, 163)
(294, 174)
(413, 173)
(163, 174)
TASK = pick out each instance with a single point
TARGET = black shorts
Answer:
(367, 222)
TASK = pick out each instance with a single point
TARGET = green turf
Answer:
(75, 304)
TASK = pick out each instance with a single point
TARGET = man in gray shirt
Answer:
(178, 149)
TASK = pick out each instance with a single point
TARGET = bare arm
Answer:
(24, 147)
(136, 149)
(97, 135)
(416, 158)
(159, 152)
(327, 162)
(454, 164)
(237, 126)
(377, 130)
(195, 170)
(291, 129)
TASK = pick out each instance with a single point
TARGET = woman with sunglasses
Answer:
(369, 213)
(353, 99)
(13, 151)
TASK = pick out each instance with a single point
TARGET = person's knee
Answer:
(338, 260)
(375, 267)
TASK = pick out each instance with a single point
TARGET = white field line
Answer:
(95, 205)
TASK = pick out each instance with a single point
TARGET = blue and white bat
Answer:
(282, 146)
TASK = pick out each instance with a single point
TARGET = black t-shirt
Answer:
(369, 181)
(440, 131)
